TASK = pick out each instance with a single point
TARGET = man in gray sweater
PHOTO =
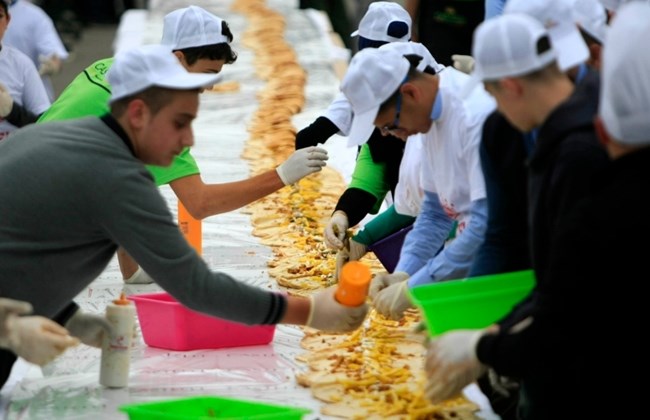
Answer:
(73, 191)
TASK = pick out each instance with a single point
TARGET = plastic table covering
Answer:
(69, 387)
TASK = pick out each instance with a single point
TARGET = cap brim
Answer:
(362, 126)
(184, 81)
(570, 47)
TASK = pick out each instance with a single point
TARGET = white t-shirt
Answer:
(408, 192)
(451, 165)
(32, 31)
(340, 113)
(21, 78)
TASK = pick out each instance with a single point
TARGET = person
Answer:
(22, 94)
(445, 27)
(35, 338)
(408, 192)
(376, 170)
(33, 32)
(95, 194)
(385, 91)
(504, 153)
(201, 42)
(519, 67)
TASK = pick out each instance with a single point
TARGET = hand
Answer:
(451, 364)
(392, 301)
(36, 339)
(49, 65)
(6, 101)
(351, 251)
(464, 63)
(336, 229)
(384, 280)
(90, 329)
(302, 163)
(327, 314)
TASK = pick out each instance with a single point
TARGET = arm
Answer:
(368, 180)
(385, 224)
(412, 7)
(430, 230)
(20, 116)
(203, 200)
(455, 260)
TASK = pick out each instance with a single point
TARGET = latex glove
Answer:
(36, 339)
(464, 63)
(384, 280)
(352, 251)
(336, 229)
(392, 301)
(89, 328)
(139, 277)
(302, 163)
(327, 314)
(49, 65)
(6, 101)
(451, 364)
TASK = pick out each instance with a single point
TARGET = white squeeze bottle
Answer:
(116, 349)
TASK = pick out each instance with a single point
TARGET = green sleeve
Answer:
(370, 177)
(183, 165)
(88, 94)
(386, 223)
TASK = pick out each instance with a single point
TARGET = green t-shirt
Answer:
(88, 94)
(370, 176)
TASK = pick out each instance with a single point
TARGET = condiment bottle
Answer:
(116, 348)
(354, 281)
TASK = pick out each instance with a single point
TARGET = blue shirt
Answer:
(424, 256)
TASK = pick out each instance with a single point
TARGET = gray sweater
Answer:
(70, 193)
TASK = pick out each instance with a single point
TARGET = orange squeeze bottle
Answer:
(354, 281)
(191, 228)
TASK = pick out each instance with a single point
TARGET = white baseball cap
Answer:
(192, 27)
(139, 68)
(415, 48)
(385, 21)
(507, 46)
(557, 18)
(592, 18)
(625, 86)
(373, 76)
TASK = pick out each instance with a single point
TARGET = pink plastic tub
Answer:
(167, 324)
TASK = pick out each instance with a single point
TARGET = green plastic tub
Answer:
(470, 303)
(208, 407)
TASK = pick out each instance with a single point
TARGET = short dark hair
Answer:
(4, 4)
(155, 97)
(221, 51)
(413, 73)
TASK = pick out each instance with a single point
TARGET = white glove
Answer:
(302, 163)
(336, 230)
(11, 306)
(384, 280)
(464, 63)
(6, 101)
(90, 329)
(139, 277)
(35, 338)
(326, 314)
(451, 364)
(49, 65)
(352, 251)
(393, 301)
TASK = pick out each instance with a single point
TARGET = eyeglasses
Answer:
(392, 129)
